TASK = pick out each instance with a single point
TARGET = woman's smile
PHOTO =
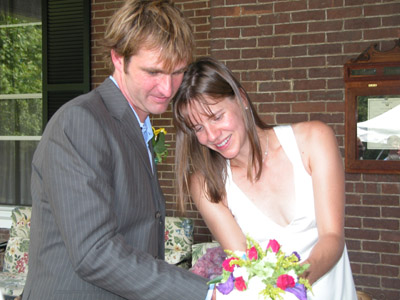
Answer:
(224, 142)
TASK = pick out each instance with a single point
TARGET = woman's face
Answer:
(220, 126)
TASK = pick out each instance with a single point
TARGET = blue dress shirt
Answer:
(146, 127)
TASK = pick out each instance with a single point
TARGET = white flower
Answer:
(256, 284)
(240, 254)
(270, 257)
(293, 274)
(241, 272)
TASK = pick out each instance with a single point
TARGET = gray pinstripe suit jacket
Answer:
(98, 211)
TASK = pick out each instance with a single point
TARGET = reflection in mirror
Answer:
(378, 127)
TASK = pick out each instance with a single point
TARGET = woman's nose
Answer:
(212, 133)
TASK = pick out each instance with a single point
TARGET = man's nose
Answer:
(165, 85)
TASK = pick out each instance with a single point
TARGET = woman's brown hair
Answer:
(207, 77)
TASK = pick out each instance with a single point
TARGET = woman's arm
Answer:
(322, 158)
(218, 217)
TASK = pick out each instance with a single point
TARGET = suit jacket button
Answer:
(158, 215)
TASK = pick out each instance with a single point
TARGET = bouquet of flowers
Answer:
(269, 269)
(159, 146)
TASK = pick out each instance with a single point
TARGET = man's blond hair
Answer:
(150, 25)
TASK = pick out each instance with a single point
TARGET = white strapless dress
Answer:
(300, 235)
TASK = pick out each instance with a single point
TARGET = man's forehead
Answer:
(157, 60)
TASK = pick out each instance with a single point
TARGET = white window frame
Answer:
(5, 216)
(5, 210)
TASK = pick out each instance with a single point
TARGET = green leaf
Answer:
(215, 280)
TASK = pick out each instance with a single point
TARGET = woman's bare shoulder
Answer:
(310, 125)
(312, 131)
(314, 138)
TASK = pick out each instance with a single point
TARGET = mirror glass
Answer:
(378, 127)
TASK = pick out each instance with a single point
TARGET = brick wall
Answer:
(289, 55)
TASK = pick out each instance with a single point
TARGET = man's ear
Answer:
(118, 61)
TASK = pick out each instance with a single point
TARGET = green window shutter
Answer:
(66, 52)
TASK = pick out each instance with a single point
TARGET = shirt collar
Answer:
(146, 127)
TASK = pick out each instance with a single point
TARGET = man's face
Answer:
(146, 84)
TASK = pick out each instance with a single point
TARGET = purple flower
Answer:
(297, 255)
(226, 287)
(299, 291)
(210, 264)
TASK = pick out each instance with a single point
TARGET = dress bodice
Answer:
(301, 233)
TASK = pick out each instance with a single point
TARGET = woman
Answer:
(284, 183)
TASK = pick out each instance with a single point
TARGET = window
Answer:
(20, 96)
(35, 81)
(32, 88)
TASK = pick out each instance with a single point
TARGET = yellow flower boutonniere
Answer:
(159, 146)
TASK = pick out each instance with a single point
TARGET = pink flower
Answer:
(20, 266)
(240, 285)
(274, 245)
(166, 235)
(252, 253)
(227, 266)
(285, 281)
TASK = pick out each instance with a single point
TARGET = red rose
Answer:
(274, 245)
(240, 285)
(227, 266)
(285, 281)
(252, 253)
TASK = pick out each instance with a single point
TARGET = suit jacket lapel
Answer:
(120, 109)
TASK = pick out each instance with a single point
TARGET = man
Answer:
(98, 211)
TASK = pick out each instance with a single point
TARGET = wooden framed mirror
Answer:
(372, 124)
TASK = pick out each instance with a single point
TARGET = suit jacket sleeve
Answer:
(85, 183)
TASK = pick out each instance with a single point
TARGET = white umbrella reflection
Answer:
(377, 130)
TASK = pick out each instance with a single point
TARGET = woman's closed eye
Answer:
(217, 117)
(197, 128)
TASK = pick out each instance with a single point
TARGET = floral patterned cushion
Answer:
(15, 269)
(178, 240)
(16, 255)
(12, 284)
(21, 222)
(198, 250)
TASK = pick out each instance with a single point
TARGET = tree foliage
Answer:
(20, 73)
